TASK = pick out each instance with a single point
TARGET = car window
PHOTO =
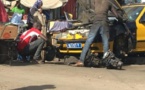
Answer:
(143, 17)
(133, 12)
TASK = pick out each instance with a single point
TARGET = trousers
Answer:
(34, 48)
(103, 29)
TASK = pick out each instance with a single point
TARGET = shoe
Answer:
(79, 64)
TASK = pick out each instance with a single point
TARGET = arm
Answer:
(42, 36)
(113, 10)
(114, 5)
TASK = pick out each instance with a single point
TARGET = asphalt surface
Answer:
(24, 76)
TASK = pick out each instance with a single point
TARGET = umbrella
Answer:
(47, 4)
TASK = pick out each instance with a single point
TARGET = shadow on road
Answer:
(134, 60)
(43, 87)
(20, 63)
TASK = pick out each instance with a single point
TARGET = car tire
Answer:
(50, 53)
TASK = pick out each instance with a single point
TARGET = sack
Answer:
(109, 61)
(93, 61)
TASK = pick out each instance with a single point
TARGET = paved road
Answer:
(62, 77)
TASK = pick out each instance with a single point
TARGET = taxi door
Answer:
(140, 33)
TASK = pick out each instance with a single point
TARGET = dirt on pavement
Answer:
(22, 76)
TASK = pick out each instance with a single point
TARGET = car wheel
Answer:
(50, 53)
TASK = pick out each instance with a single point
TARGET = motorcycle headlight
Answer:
(106, 54)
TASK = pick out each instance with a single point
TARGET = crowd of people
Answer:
(33, 40)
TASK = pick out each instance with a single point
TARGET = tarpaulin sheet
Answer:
(47, 4)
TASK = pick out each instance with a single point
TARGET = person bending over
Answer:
(31, 42)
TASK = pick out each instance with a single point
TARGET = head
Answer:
(38, 4)
(37, 25)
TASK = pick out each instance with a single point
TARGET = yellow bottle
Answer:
(78, 36)
(70, 36)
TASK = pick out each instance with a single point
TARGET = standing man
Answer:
(35, 14)
(32, 42)
(100, 24)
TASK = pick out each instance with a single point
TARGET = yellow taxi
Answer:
(125, 37)
(136, 24)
